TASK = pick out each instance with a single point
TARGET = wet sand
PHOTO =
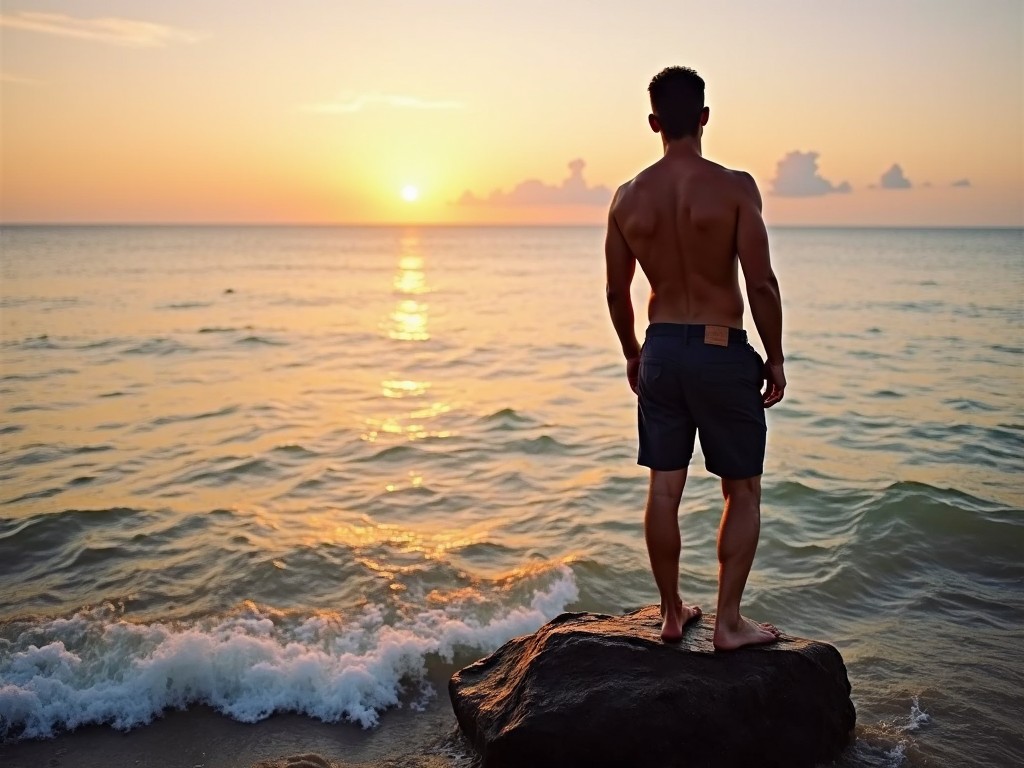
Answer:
(202, 738)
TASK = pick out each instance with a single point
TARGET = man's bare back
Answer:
(679, 219)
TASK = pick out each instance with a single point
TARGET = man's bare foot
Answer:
(745, 633)
(675, 617)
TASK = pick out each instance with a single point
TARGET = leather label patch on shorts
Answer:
(717, 335)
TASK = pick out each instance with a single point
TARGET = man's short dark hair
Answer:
(677, 99)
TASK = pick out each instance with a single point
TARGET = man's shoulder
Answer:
(747, 187)
(623, 189)
(741, 183)
(731, 175)
(638, 185)
(654, 177)
(624, 194)
(744, 179)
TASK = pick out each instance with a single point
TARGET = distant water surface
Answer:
(316, 469)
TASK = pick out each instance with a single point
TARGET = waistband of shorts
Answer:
(688, 331)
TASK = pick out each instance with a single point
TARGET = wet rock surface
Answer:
(593, 690)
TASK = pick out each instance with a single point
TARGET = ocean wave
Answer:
(34, 407)
(96, 667)
(185, 305)
(253, 340)
(227, 410)
(40, 375)
(159, 347)
(35, 342)
(888, 744)
(226, 469)
(543, 445)
(44, 493)
(395, 453)
(507, 419)
(296, 450)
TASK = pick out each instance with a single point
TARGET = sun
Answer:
(410, 194)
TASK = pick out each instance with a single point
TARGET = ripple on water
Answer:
(160, 421)
(508, 419)
(258, 341)
(158, 347)
(542, 445)
(186, 305)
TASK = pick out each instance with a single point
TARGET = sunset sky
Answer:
(386, 111)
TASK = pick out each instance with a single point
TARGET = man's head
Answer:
(677, 100)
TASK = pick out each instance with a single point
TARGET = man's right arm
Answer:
(620, 266)
(762, 286)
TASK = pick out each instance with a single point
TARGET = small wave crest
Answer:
(507, 419)
(897, 755)
(917, 718)
(261, 340)
(889, 743)
(96, 667)
(158, 347)
(186, 305)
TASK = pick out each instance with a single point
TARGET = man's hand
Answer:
(775, 377)
(633, 373)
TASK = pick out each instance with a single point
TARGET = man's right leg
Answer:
(661, 531)
(737, 543)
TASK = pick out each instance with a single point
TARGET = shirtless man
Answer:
(688, 222)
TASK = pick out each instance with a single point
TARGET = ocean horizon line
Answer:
(456, 225)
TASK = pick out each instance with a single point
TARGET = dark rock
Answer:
(594, 690)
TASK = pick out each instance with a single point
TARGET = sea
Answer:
(295, 477)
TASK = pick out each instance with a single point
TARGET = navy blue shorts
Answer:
(689, 387)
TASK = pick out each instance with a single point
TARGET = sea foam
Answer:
(96, 668)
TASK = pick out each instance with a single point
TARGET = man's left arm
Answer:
(620, 265)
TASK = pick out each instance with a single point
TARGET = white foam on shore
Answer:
(91, 668)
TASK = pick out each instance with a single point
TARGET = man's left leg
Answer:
(661, 530)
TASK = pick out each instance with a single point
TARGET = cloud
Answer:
(796, 175)
(113, 31)
(350, 103)
(961, 183)
(572, 191)
(894, 179)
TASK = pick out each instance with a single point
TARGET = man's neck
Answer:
(687, 146)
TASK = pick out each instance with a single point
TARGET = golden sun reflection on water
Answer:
(409, 424)
(393, 552)
(410, 278)
(415, 481)
(409, 319)
(396, 388)
(408, 323)
(361, 539)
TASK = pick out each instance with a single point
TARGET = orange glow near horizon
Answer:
(159, 121)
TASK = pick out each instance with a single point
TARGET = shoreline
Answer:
(202, 737)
